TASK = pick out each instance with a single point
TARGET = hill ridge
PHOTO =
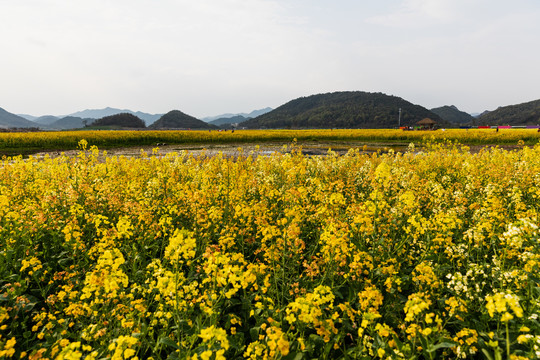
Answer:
(527, 113)
(251, 114)
(109, 111)
(10, 120)
(452, 114)
(344, 109)
(176, 119)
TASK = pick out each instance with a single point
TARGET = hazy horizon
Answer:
(213, 57)
(212, 116)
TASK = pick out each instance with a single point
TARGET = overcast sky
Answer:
(207, 57)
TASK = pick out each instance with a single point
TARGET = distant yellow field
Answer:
(105, 139)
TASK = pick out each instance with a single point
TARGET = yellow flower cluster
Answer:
(7, 349)
(502, 303)
(273, 345)
(417, 303)
(181, 248)
(107, 278)
(33, 263)
(215, 338)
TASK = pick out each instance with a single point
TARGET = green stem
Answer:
(507, 342)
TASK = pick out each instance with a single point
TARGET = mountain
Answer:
(228, 120)
(482, 113)
(252, 114)
(70, 122)
(148, 118)
(9, 120)
(46, 119)
(347, 109)
(108, 111)
(256, 113)
(521, 114)
(28, 117)
(454, 115)
(122, 120)
(176, 119)
(477, 115)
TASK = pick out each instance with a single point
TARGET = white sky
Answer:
(207, 57)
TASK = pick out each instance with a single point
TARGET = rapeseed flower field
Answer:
(415, 255)
(15, 143)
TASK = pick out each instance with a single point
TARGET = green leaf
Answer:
(172, 356)
(294, 356)
(254, 333)
(64, 262)
(168, 342)
(446, 344)
(398, 342)
(487, 354)
(424, 342)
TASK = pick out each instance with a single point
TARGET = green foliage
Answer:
(352, 109)
(522, 114)
(176, 119)
(123, 120)
(454, 115)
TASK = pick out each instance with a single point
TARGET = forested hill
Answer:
(176, 119)
(126, 120)
(454, 115)
(352, 109)
(522, 114)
